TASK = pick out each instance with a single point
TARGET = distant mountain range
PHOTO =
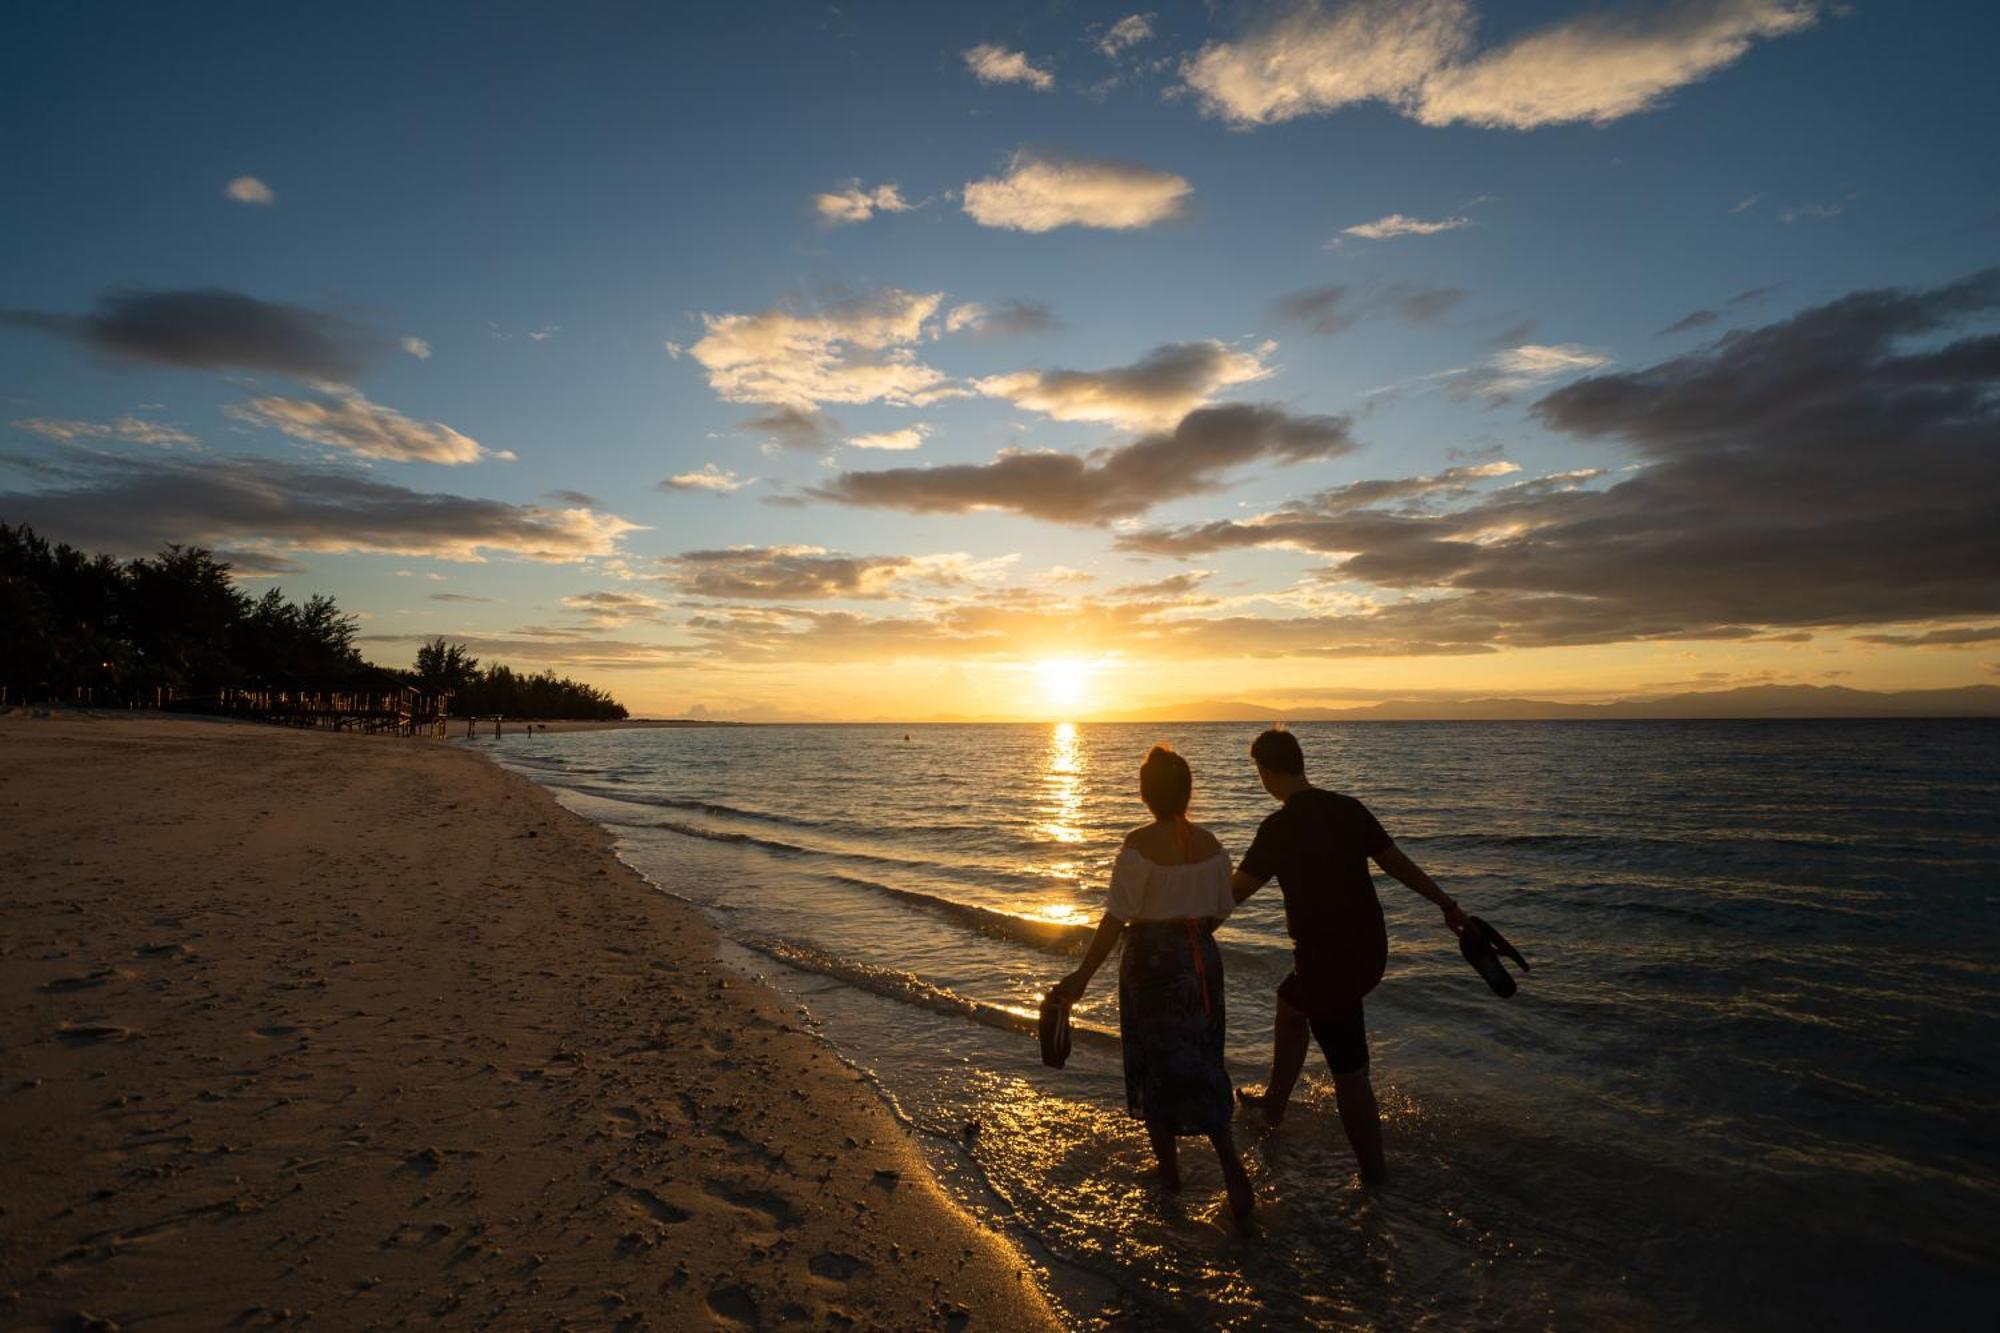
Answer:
(1750, 701)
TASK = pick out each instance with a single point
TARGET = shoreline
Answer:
(293, 1030)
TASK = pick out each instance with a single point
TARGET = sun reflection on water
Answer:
(1062, 787)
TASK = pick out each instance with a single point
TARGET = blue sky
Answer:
(548, 198)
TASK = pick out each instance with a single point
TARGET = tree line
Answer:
(175, 626)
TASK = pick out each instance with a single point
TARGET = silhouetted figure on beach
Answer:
(1170, 888)
(1318, 846)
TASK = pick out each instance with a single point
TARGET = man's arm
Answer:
(1242, 884)
(1395, 863)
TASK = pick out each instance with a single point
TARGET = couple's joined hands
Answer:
(1071, 987)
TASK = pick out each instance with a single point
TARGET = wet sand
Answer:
(363, 1031)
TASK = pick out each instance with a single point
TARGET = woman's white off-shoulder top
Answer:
(1143, 890)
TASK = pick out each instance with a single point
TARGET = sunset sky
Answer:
(776, 360)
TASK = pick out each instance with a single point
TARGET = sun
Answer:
(1064, 680)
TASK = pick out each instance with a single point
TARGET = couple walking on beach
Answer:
(1172, 884)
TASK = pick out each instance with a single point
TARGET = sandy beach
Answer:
(364, 1031)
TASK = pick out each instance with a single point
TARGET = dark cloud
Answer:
(1174, 585)
(457, 597)
(1697, 319)
(1841, 467)
(133, 505)
(1753, 294)
(794, 428)
(1331, 310)
(575, 498)
(1694, 319)
(608, 608)
(258, 564)
(1018, 318)
(1969, 636)
(1009, 319)
(798, 573)
(1158, 388)
(573, 649)
(1113, 483)
(211, 328)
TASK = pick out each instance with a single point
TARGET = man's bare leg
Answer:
(1168, 1153)
(1290, 1034)
(1362, 1119)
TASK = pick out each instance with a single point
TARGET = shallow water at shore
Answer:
(1747, 1083)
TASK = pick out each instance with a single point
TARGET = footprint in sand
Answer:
(83, 1032)
(837, 1267)
(90, 981)
(280, 1030)
(776, 1207)
(734, 1306)
(643, 1201)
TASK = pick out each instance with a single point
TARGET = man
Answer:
(1318, 845)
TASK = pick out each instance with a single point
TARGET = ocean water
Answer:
(1750, 1083)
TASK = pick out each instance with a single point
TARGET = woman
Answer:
(1169, 890)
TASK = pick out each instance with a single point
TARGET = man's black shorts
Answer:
(1340, 1031)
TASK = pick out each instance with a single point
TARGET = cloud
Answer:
(909, 437)
(991, 64)
(790, 428)
(856, 351)
(1815, 212)
(852, 203)
(130, 428)
(418, 348)
(571, 649)
(457, 597)
(1190, 459)
(608, 609)
(1316, 58)
(1041, 192)
(1694, 319)
(1419, 57)
(343, 419)
(134, 505)
(1518, 369)
(1008, 319)
(576, 498)
(1605, 65)
(1159, 388)
(1322, 522)
(1397, 224)
(800, 573)
(249, 190)
(1125, 34)
(1831, 469)
(1328, 310)
(1176, 586)
(213, 329)
(710, 478)
(1963, 636)
(258, 564)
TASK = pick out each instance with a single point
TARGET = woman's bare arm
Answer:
(1108, 931)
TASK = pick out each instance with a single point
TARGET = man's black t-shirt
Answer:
(1318, 844)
